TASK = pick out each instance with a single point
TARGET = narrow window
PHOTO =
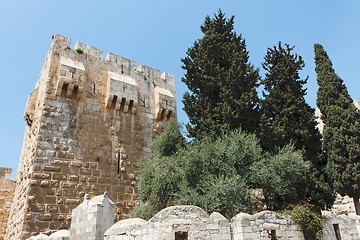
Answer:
(273, 235)
(75, 90)
(162, 116)
(118, 163)
(94, 88)
(122, 104)
(169, 115)
(64, 89)
(122, 69)
(337, 231)
(113, 102)
(181, 235)
(131, 105)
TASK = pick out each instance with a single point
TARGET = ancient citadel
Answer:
(89, 120)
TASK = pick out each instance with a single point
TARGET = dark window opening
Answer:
(64, 89)
(122, 69)
(113, 102)
(162, 116)
(181, 235)
(118, 163)
(122, 104)
(94, 88)
(75, 90)
(169, 115)
(337, 231)
(131, 105)
(272, 234)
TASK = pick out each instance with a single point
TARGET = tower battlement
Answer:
(89, 119)
(118, 63)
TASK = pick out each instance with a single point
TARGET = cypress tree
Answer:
(287, 118)
(286, 115)
(341, 133)
(221, 81)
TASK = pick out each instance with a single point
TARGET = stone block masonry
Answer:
(92, 218)
(7, 188)
(88, 121)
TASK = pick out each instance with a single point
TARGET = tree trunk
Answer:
(357, 204)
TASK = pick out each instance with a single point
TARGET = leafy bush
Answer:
(282, 177)
(209, 174)
(144, 211)
(309, 221)
(217, 175)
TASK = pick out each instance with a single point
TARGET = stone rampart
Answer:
(88, 121)
(7, 188)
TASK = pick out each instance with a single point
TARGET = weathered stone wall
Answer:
(193, 223)
(344, 226)
(92, 218)
(177, 222)
(264, 225)
(7, 188)
(89, 120)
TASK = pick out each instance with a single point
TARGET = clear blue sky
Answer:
(157, 33)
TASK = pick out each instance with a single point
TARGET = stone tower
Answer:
(88, 121)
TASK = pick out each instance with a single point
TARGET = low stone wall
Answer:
(176, 222)
(93, 220)
(342, 225)
(264, 225)
(7, 188)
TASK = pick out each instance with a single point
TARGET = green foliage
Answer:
(144, 211)
(206, 173)
(227, 195)
(287, 118)
(160, 179)
(341, 133)
(170, 141)
(221, 81)
(286, 115)
(309, 221)
(79, 50)
(282, 177)
(217, 175)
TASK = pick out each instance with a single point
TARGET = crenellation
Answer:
(120, 64)
(87, 50)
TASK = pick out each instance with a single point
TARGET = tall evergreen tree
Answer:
(341, 133)
(221, 81)
(286, 115)
(287, 118)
